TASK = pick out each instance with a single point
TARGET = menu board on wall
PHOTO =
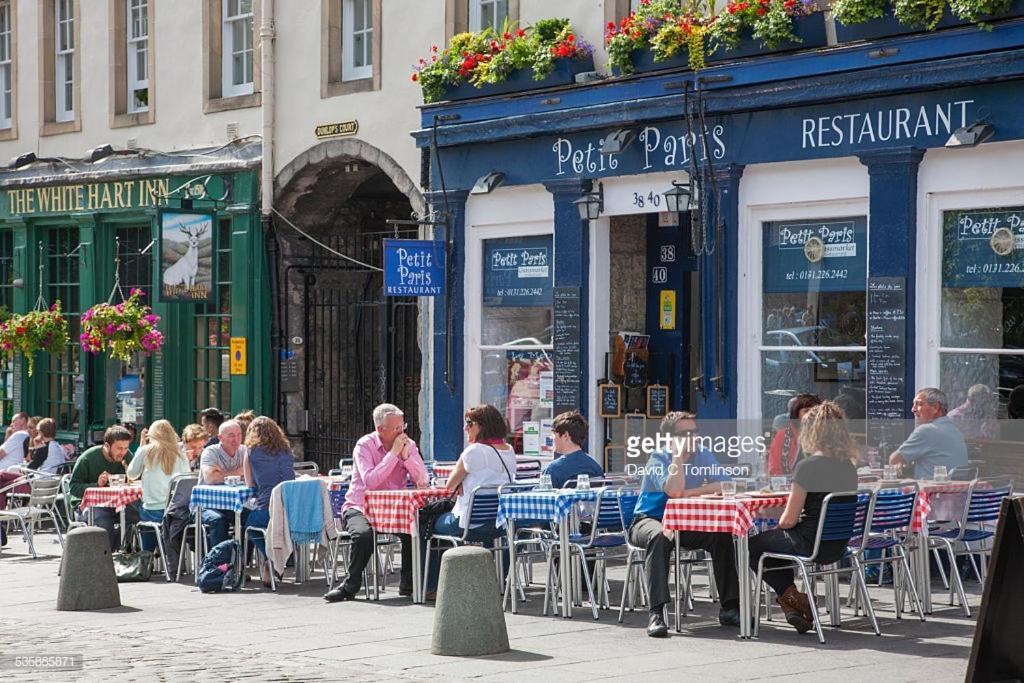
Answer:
(157, 384)
(518, 271)
(983, 248)
(827, 256)
(566, 340)
(887, 347)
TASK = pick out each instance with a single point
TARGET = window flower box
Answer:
(888, 25)
(520, 80)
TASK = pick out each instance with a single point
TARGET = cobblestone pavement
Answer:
(171, 632)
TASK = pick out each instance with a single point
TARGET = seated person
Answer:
(830, 468)
(222, 459)
(569, 431)
(156, 464)
(685, 471)
(784, 452)
(268, 461)
(193, 441)
(49, 455)
(934, 441)
(93, 468)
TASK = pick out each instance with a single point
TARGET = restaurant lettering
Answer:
(663, 149)
(899, 123)
(123, 194)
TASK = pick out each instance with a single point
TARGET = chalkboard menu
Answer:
(609, 397)
(983, 248)
(657, 400)
(16, 388)
(887, 347)
(289, 380)
(157, 384)
(566, 340)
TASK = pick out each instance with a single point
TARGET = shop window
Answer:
(515, 333)
(135, 271)
(487, 14)
(6, 308)
(60, 66)
(6, 66)
(231, 54)
(813, 313)
(982, 330)
(212, 341)
(62, 282)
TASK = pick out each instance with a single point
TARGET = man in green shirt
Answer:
(93, 468)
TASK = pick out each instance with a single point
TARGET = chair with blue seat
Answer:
(532, 540)
(984, 498)
(483, 509)
(889, 536)
(844, 517)
(528, 469)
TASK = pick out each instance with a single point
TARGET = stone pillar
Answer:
(892, 234)
(449, 336)
(572, 262)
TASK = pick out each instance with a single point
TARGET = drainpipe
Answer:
(267, 70)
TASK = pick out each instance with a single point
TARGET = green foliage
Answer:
(33, 332)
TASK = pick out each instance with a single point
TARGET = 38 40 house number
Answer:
(649, 200)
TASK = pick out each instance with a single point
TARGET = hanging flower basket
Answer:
(32, 332)
(875, 19)
(121, 329)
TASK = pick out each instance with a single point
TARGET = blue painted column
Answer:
(719, 279)
(892, 233)
(572, 262)
(448, 344)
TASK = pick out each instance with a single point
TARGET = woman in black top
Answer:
(830, 468)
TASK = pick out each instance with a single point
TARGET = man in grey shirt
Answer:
(934, 441)
(224, 459)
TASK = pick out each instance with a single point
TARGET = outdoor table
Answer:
(553, 506)
(444, 470)
(723, 515)
(217, 497)
(397, 512)
(117, 497)
(928, 497)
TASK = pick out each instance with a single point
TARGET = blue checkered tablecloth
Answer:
(545, 505)
(220, 497)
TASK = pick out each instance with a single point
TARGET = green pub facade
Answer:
(64, 235)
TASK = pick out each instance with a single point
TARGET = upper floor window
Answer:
(6, 66)
(64, 49)
(487, 13)
(137, 13)
(357, 26)
(237, 53)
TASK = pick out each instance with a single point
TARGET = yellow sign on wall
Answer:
(667, 309)
(238, 362)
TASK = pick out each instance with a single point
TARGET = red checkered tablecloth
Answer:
(116, 497)
(717, 515)
(394, 512)
(445, 471)
(927, 492)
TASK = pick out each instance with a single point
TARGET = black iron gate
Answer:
(360, 348)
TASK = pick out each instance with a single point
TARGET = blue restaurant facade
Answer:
(857, 233)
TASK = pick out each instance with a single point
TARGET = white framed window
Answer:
(6, 66)
(487, 13)
(237, 52)
(64, 47)
(357, 39)
(137, 13)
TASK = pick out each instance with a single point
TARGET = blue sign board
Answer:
(983, 248)
(823, 256)
(518, 271)
(414, 268)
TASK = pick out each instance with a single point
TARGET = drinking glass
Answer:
(941, 473)
(728, 489)
(545, 482)
(742, 485)
(874, 458)
(762, 484)
(779, 484)
(890, 473)
(582, 482)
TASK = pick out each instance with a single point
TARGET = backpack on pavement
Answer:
(221, 570)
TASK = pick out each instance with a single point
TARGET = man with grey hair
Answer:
(384, 459)
(934, 441)
(222, 459)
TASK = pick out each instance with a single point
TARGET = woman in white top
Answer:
(156, 463)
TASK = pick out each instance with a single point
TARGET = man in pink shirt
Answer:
(384, 459)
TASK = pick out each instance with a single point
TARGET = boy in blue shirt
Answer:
(685, 472)
(569, 431)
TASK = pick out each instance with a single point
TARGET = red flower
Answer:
(415, 77)
(761, 11)
(433, 48)
(506, 35)
(571, 38)
(520, 33)
(611, 25)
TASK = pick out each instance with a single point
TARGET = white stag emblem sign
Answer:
(184, 271)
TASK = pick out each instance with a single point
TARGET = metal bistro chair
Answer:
(890, 533)
(342, 544)
(483, 509)
(41, 504)
(984, 498)
(156, 527)
(532, 538)
(844, 517)
(528, 469)
(310, 468)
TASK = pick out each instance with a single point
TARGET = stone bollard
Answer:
(468, 619)
(87, 579)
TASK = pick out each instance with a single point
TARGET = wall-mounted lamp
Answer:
(591, 204)
(972, 135)
(488, 183)
(22, 160)
(97, 153)
(680, 198)
(618, 140)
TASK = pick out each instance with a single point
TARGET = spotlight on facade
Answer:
(97, 153)
(972, 135)
(591, 205)
(679, 198)
(618, 140)
(488, 183)
(23, 160)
